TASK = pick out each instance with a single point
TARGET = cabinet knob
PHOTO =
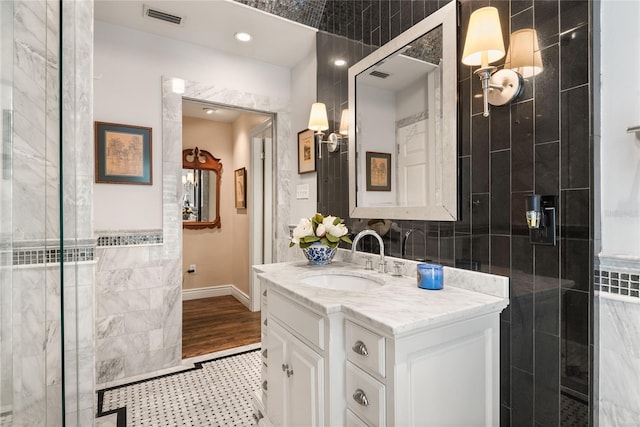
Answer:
(265, 322)
(264, 385)
(285, 367)
(360, 348)
(289, 373)
(264, 294)
(360, 397)
(264, 353)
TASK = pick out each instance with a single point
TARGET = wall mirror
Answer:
(403, 107)
(201, 189)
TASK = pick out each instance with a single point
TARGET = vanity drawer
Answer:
(365, 348)
(305, 323)
(354, 421)
(365, 396)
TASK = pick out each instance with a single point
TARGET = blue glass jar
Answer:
(430, 276)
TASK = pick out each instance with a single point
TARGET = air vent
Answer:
(379, 74)
(163, 16)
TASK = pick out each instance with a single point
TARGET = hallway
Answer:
(213, 324)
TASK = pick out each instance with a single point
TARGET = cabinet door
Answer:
(306, 386)
(276, 378)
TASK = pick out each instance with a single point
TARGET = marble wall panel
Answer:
(617, 341)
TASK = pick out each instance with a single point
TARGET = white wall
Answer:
(620, 108)
(127, 89)
(303, 94)
(376, 120)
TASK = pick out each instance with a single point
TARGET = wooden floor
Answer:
(219, 323)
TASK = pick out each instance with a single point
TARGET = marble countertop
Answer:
(398, 307)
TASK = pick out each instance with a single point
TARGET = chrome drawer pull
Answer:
(360, 348)
(264, 353)
(264, 385)
(361, 398)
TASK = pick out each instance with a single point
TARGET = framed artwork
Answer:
(123, 154)
(240, 183)
(306, 152)
(378, 171)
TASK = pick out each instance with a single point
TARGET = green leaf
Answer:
(304, 245)
(346, 239)
(337, 221)
(309, 239)
(317, 218)
(291, 243)
(332, 238)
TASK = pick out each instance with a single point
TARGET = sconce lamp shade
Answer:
(318, 118)
(484, 43)
(524, 53)
(344, 122)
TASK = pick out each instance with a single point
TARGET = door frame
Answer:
(262, 206)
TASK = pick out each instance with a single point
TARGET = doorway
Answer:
(219, 303)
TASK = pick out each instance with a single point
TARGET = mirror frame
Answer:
(447, 210)
(210, 163)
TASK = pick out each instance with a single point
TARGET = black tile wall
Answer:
(541, 143)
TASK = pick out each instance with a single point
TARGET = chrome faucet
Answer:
(403, 253)
(382, 266)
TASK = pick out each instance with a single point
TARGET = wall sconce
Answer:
(484, 45)
(541, 219)
(318, 122)
(524, 55)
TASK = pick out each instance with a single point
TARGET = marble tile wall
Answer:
(617, 342)
(34, 286)
(138, 313)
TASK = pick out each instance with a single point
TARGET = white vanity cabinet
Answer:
(446, 376)
(297, 344)
(295, 380)
(393, 356)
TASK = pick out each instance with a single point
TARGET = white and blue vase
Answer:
(319, 253)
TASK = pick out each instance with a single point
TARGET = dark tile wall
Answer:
(542, 143)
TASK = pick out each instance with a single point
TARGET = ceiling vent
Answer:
(379, 74)
(163, 16)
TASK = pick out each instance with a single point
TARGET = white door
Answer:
(413, 164)
(276, 377)
(306, 386)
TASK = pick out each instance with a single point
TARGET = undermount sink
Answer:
(341, 281)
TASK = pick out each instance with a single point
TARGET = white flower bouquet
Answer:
(328, 230)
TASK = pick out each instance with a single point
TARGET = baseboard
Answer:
(216, 291)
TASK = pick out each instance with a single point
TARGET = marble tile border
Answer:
(617, 276)
(29, 253)
(129, 238)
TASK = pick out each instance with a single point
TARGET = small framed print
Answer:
(123, 154)
(378, 171)
(306, 152)
(240, 180)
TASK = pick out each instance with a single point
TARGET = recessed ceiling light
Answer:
(209, 110)
(243, 37)
(340, 62)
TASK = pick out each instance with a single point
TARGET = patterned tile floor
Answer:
(214, 393)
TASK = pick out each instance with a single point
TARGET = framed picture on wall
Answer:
(122, 154)
(306, 152)
(378, 171)
(240, 180)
